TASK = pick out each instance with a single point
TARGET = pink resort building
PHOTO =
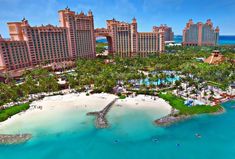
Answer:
(200, 34)
(32, 46)
(40, 45)
(124, 39)
(168, 33)
(14, 54)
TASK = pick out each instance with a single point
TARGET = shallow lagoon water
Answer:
(132, 135)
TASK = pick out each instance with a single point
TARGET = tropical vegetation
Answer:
(8, 112)
(103, 77)
(100, 47)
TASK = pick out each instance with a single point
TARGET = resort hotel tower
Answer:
(30, 46)
(124, 39)
(200, 34)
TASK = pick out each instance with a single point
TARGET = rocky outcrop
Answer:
(14, 139)
(101, 121)
(171, 119)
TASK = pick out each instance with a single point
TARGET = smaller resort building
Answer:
(215, 58)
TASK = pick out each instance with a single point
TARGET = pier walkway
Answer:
(101, 121)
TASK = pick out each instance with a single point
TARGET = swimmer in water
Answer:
(155, 140)
(198, 135)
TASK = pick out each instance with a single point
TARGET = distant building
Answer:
(172, 43)
(168, 33)
(200, 34)
(215, 58)
(124, 39)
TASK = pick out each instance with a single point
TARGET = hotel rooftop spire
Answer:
(134, 20)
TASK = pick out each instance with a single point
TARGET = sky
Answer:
(149, 13)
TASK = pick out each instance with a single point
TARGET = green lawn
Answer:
(6, 113)
(178, 103)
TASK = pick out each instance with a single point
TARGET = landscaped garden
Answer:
(178, 103)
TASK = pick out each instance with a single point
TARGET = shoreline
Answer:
(56, 107)
(172, 118)
(182, 112)
(93, 103)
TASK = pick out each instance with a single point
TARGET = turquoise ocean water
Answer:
(223, 40)
(132, 135)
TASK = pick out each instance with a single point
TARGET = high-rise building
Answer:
(30, 46)
(124, 39)
(200, 34)
(168, 33)
(13, 54)
(81, 36)
(46, 44)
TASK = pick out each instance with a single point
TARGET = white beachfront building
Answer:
(231, 89)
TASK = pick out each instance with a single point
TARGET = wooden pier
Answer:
(101, 121)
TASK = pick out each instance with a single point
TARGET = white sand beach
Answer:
(153, 106)
(144, 102)
(61, 110)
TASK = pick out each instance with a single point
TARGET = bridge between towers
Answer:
(103, 32)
